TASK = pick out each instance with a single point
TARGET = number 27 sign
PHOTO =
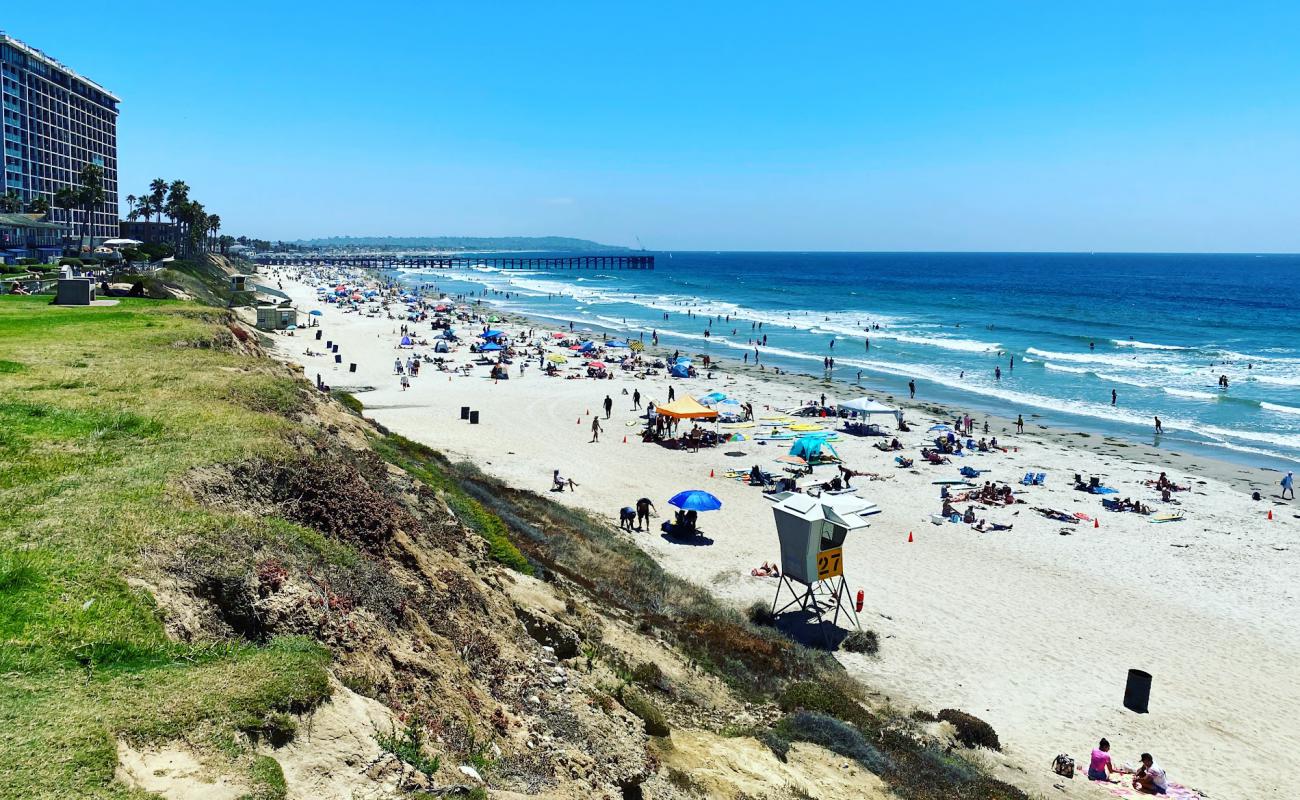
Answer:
(830, 563)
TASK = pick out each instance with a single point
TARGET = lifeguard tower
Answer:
(812, 531)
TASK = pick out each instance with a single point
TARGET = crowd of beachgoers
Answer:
(1018, 575)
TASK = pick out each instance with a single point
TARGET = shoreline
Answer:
(1240, 475)
(1029, 629)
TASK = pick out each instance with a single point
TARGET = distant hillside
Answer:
(556, 244)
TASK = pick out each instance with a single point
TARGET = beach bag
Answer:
(1063, 765)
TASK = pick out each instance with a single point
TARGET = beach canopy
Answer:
(491, 334)
(588, 345)
(406, 340)
(316, 312)
(867, 406)
(556, 358)
(596, 364)
(809, 447)
(679, 371)
(616, 343)
(686, 408)
(682, 360)
(713, 398)
(695, 500)
(636, 346)
(490, 346)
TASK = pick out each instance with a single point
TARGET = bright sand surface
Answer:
(1030, 629)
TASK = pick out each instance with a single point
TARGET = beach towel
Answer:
(1103, 490)
(1125, 789)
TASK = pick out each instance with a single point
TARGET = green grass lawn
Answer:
(102, 409)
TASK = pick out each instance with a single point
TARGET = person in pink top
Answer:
(1101, 766)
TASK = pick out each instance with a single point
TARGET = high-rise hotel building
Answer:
(56, 122)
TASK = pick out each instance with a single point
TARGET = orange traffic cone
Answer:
(711, 475)
(579, 420)
(909, 536)
(1270, 513)
(624, 440)
(1096, 523)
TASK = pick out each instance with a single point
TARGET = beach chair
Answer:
(1028, 480)
(1040, 479)
(970, 472)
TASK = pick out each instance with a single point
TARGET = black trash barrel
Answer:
(464, 412)
(329, 345)
(338, 359)
(336, 348)
(473, 417)
(1137, 692)
(318, 333)
(352, 367)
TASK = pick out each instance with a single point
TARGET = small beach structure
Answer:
(869, 410)
(812, 531)
(686, 407)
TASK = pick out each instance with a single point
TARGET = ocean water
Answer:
(1159, 330)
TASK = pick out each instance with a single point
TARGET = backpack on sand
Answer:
(1063, 765)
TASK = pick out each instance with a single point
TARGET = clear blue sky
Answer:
(711, 125)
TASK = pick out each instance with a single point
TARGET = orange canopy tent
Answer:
(686, 408)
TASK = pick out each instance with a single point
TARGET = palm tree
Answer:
(91, 193)
(11, 202)
(157, 196)
(39, 206)
(178, 195)
(66, 199)
(130, 203)
(214, 225)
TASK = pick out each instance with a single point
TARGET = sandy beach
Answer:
(1032, 629)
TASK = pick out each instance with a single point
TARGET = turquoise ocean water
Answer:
(1159, 330)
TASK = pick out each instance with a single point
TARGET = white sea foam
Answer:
(1281, 409)
(1062, 368)
(1086, 358)
(1276, 380)
(1146, 345)
(1191, 394)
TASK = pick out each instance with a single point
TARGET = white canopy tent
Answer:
(866, 408)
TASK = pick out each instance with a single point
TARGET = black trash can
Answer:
(464, 412)
(338, 359)
(473, 417)
(352, 367)
(318, 334)
(1137, 692)
(329, 345)
(336, 348)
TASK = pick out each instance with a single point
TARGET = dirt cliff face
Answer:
(451, 671)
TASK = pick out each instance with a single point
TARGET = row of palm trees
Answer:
(12, 203)
(195, 229)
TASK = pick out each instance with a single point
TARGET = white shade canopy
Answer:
(867, 406)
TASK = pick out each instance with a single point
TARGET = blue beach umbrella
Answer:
(695, 500)
(491, 334)
(316, 312)
(484, 348)
(616, 343)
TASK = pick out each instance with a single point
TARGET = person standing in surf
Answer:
(1114, 396)
(1159, 428)
(911, 389)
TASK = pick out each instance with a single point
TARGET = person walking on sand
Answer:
(911, 389)
(636, 399)
(1159, 429)
(1020, 423)
(609, 406)
(672, 394)
(643, 508)
(1288, 486)
(595, 429)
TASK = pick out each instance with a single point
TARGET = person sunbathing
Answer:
(985, 525)
(766, 571)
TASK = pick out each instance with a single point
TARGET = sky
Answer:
(1165, 126)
